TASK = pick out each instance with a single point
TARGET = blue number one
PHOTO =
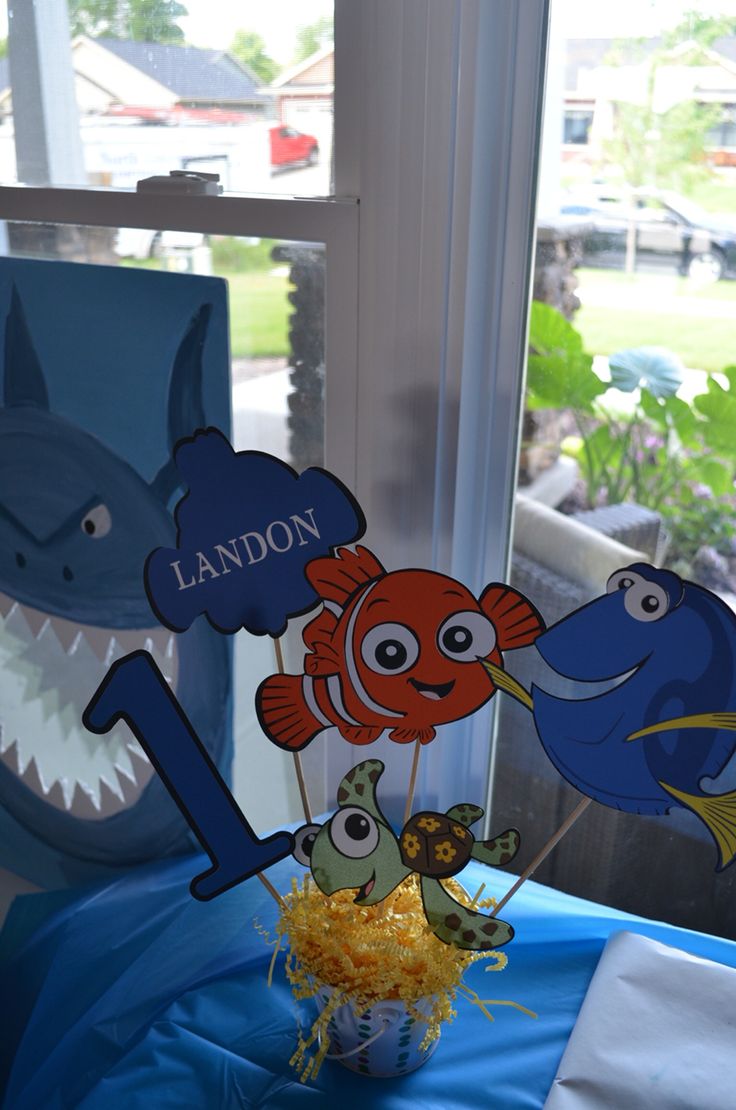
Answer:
(135, 691)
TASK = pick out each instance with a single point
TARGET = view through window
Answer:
(203, 86)
(630, 421)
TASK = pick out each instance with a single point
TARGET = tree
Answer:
(704, 29)
(313, 36)
(139, 20)
(250, 49)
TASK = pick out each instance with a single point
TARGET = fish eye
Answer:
(97, 522)
(466, 637)
(389, 648)
(304, 839)
(622, 580)
(353, 832)
(646, 601)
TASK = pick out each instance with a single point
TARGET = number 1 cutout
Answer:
(135, 691)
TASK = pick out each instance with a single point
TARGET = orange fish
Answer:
(396, 651)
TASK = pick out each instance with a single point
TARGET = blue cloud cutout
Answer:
(246, 530)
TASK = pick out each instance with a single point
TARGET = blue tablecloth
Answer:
(134, 995)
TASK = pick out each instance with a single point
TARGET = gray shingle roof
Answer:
(190, 72)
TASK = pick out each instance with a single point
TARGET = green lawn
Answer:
(658, 310)
(259, 314)
(259, 308)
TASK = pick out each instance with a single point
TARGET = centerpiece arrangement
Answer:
(378, 929)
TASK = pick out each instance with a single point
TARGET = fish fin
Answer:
(319, 630)
(515, 619)
(283, 712)
(322, 658)
(322, 663)
(459, 925)
(465, 814)
(360, 734)
(409, 735)
(337, 577)
(725, 720)
(500, 850)
(506, 682)
(718, 812)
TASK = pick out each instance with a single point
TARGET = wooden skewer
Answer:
(412, 781)
(271, 889)
(565, 827)
(297, 757)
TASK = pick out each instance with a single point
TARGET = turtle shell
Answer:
(435, 845)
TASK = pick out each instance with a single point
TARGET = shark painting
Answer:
(76, 524)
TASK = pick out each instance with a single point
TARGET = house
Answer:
(601, 72)
(304, 93)
(157, 83)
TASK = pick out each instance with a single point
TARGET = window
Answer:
(424, 305)
(577, 126)
(636, 253)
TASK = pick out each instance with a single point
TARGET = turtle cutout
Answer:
(357, 848)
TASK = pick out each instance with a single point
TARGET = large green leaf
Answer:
(550, 332)
(718, 405)
(712, 473)
(562, 382)
(653, 368)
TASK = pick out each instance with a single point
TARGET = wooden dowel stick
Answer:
(412, 781)
(271, 888)
(565, 827)
(297, 758)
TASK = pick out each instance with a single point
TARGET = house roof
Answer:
(190, 72)
(309, 71)
(586, 54)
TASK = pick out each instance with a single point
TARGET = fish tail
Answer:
(718, 812)
(283, 712)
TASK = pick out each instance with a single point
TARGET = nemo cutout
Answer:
(398, 651)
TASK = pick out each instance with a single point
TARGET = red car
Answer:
(290, 147)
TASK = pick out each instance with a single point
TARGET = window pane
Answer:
(113, 95)
(626, 458)
(276, 305)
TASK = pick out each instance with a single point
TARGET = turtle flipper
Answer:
(458, 925)
(465, 814)
(499, 851)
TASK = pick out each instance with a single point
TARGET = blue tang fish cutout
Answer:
(76, 523)
(645, 745)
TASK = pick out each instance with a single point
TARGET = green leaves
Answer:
(559, 372)
(718, 406)
(659, 450)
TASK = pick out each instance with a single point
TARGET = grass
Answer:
(259, 308)
(715, 195)
(259, 314)
(703, 342)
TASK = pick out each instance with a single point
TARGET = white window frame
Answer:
(438, 111)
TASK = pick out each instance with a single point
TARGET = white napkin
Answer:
(657, 1029)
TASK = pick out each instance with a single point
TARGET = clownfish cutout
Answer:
(398, 651)
(645, 745)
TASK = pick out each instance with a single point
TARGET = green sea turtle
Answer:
(357, 848)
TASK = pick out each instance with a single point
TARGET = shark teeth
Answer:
(49, 668)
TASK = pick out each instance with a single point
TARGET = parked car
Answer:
(290, 147)
(665, 231)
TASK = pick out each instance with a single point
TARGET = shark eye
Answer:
(353, 832)
(97, 523)
(646, 601)
(389, 648)
(466, 637)
(304, 839)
